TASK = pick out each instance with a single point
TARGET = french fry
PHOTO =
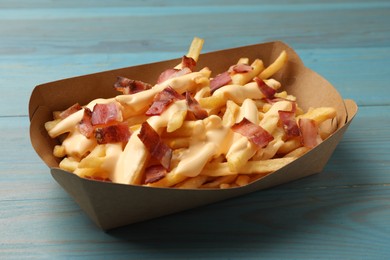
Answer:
(275, 66)
(176, 121)
(49, 125)
(192, 183)
(231, 113)
(195, 48)
(59, 151)
(69, 164)
(251, 167)
(242, 180)
(169, 180)
(289, 146)
(320, 114)
(297, 152)
(218, 181)
(243, 78)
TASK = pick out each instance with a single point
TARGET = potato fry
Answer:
(195, 48)
(275, 66)
(297, 152)
(320, 114)
(218, 181)
(59, 151)
(251, 167)
(192, 183)
(289, 146)
(242, 180)
(176, 121)
(171, 179)
(243, 78)
(69, 164)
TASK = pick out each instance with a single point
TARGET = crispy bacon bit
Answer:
(290, 125)
(172, 73)
(105, 113)
(162, 101)
(188, 62)
(309, 130)
(112, 133)
(255, 133)
(64, 114)
(129, 86)
(195, 108)
(219, 81)
(267, 91)
(85, 125)
(154, 173)
(240, 68)
(156, 147)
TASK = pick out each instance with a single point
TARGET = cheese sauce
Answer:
(210, 138)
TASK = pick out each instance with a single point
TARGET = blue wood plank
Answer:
(341, 213)
(324, 216)
(303, 28)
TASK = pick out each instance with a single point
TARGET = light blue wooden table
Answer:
(341, 213)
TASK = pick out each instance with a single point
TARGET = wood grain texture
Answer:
(340, 213)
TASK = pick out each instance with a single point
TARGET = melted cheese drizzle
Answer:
(210, 137)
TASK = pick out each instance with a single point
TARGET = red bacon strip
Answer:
(105, 113)
(188, 62)
(162, 101)
(255, 133)
(73, 109)
(156, 147)
(309, 130)
(172, 73)
(195, 108)
(240, 68)
(267, 91)
(129, 86)
(154, 173)
(290, 125)
(219, 81)
(112, 134)
(85, 125)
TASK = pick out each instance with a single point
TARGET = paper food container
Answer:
(112, 205)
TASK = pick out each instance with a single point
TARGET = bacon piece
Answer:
(112, 133)
(154, 173)
(156, 147)
(267, 91)
(240, 68)
(290, 125)
(188, 62)
(195, 108)
(105, 113)
(255, 133)
(162, 101)
(129, 86)
(309, 130)
(219, 81)
(85, 125)
(64, 114)
(172, 73)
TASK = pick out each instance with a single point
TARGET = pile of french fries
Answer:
(206, 153)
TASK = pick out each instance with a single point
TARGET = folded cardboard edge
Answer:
(115, 206)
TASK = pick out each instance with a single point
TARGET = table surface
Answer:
(341, 213)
